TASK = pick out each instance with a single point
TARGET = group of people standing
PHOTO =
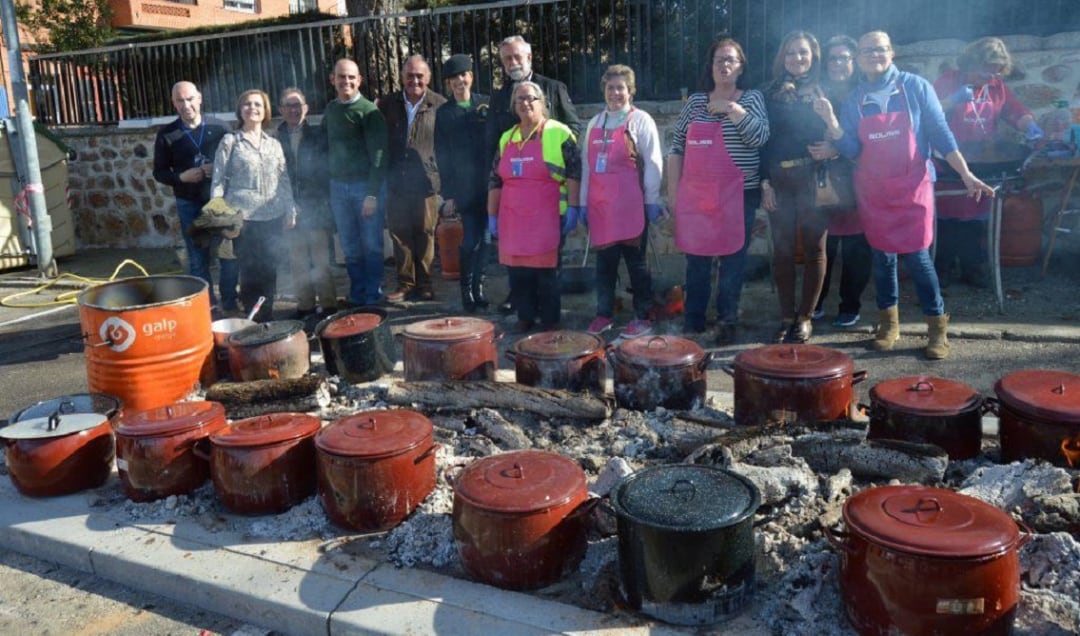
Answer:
(514, 168)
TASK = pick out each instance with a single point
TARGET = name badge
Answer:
(601, 163)
(516, 168)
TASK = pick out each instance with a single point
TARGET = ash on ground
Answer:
(797, 570)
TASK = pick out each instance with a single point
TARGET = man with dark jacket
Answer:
(184, 159)
(412, 180)
(306, 159)
(516, 56)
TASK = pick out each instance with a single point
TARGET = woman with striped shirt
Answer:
(713, 185)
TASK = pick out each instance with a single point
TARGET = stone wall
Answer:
(117, 203)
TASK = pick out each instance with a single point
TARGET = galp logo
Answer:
(118, 333)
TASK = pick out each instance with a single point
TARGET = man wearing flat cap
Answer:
(463, 170)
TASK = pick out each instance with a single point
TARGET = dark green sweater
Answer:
(357, 142)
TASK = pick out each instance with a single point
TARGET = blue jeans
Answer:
(921, 268)
(199, 258)
(361, 240)
(730, 281)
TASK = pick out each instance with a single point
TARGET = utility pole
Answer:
(24, 127)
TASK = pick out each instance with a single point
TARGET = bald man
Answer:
(183, 159)
(356, 135)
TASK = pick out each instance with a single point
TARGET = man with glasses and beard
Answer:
(516, 57)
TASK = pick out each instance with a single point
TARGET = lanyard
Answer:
(202, 134)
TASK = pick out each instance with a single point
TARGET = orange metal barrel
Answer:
(148, 340)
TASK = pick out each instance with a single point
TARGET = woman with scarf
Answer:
(889, 125)
(620, 183)
(788, 173)
(713, 185)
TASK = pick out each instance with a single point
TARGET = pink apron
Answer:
(892, 184)
(972, 121)
(615, 202)
(529, 219)
(709, 209)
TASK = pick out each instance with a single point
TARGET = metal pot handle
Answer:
(922, 386)
(705, 360)
(728, 369)
(201, 448)
(106, 342)
(859, 376)
(511, 355)
(585, 508)
(990, 405)
(838, 539)
(1027, 533)
(428, 453)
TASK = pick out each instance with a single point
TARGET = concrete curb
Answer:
(306, 587)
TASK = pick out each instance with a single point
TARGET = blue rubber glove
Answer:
(653, 212)
(493, 226)
(963, 95)
(583, 217)
(1034, 133)
(570, 219)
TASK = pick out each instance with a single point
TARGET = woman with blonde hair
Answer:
(250, 173)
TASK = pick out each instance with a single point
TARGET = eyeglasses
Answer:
(726, 61)
(840, 59)
(528, 99)
(875, 50)
(293, 105)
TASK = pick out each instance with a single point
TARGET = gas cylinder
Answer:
(1021, 229)
(448, 236)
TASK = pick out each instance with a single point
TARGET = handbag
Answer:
(834, 187)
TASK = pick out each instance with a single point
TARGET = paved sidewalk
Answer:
(301, 588)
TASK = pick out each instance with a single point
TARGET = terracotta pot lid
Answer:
(686, 497)
(930, 522)
(343, 325)
(107, 405)
(172, 419)
(520, 482)
(660, 351)
(926, 395)
(374, 434)
(558, 345)
(267, 429)
(796, 361)
(55, 425)
(265, 333)
(450, 329)
(1046, 395)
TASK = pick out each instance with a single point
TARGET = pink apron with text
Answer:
(892, 184)
(709, 208)
(973, 121)
(529, 219)
(615, 201)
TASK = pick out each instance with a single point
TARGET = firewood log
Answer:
(465, 396)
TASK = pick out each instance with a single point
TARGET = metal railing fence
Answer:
(573, 41)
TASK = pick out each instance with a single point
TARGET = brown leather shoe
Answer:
(398, 296)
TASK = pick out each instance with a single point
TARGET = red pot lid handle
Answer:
(521, 482)
(373, 434)
(926, 395)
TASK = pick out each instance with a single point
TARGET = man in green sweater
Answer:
(357, 136)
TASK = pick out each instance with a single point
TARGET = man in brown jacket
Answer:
(412, 180)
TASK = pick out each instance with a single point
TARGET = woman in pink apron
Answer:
(846, 237)
(620, 185)
(975, 100)
(532, 203)
(713, 185)
(889, 125)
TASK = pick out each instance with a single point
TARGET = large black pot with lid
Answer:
(686, 543)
